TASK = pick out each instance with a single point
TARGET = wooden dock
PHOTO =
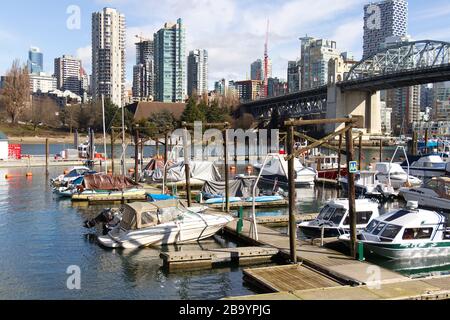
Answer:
(287, 278)
(206, 259)
(281, 221)
(109, 198)
(334, 264)
(432, 288)
(249, 204)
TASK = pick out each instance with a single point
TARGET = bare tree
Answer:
(16, 91)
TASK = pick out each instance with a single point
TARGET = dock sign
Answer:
(353, 167)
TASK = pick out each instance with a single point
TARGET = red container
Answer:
(15, 151)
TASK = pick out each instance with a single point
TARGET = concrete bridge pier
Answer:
(357, 103)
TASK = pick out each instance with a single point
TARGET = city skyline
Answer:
(211, 26)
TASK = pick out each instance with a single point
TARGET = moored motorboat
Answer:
(435, 193)
(408, 233)
(426, 166)
(367, 185)
(394, 175)
(73, 174)
(334, 218)
(276, 171)
(153, 224)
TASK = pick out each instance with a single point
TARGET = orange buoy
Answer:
(233, 169)
(249, 169)
(66, 172)
(130, 170)
(7, 176)
(29, 174)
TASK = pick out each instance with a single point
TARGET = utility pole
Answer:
(112, 150)
(227, 169)
(136, 154)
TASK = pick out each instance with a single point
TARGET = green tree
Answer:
(164, 120)
(192, 112)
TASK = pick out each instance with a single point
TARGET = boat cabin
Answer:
(441, 185)
(407, 225)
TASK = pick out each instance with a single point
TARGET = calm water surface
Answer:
(41, 237)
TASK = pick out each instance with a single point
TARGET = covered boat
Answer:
(105, 186)
(199, 170)
(74, 173)
(276, 171)
(426, 166)
(158, 223)
(408, 233)
(334, 218)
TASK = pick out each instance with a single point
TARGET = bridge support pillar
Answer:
(356, 103)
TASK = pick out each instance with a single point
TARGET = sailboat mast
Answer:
(104, 133)
(123, 142)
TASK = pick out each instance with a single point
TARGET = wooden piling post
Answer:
(136, 155)
(426, 140)
(166, 155)
(381, 150)
(187, 167)
(47, 155)
(360, 154)
(339, 158)
(351, 191)
(292, 197)
(227, 172)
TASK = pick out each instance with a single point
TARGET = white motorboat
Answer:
(334, 218)
(394, 175)
(435, 193)
(367, 185)
(408, 233)
(152, 224)
(73, 174)
(425, 166)
(276, 170)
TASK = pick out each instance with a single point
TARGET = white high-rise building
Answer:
(42, 83)
(382, 20)
(68, 74)
(197, 80)
(108, 55)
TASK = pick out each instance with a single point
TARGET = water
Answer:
(41, 237)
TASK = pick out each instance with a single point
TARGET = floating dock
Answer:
(282, 221)
(247, 204)
(206, 259)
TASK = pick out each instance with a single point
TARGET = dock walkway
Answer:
(340, 267)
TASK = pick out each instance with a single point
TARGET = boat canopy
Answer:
(106, 182)
(386, 168)
(200, 170)
(139, 215)
(278, 166)
(241, 187)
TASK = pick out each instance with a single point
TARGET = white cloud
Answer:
(233, 31)
(85, 54)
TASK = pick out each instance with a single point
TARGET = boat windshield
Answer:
(386, 232)
(390, 232)
(326, 213)
(338, 215)
(372, 226)
(441, 186)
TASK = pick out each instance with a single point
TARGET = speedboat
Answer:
(394, 175)
(276, 171)
(73, 174)
(70, 189)
(367, 185)
(334, 218)
(427, 166)
(407, 233)
(435, 193)
(153, 224)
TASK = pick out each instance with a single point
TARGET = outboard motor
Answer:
(108, 217)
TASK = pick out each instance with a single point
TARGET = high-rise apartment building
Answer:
(197, 80)
(249, 90)
(315, 55)
(220, 87)
(441, 104)
(144, 71)
(35, 61)
(293, 76)
(277, 87)
(382, 20)
(170, 63)
(108, 55)
(42, 83)
(68, 74)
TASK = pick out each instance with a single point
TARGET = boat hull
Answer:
(316, 232)
(409, 250)
(425, 200)
(165, 234)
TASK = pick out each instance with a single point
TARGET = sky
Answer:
(233, 31)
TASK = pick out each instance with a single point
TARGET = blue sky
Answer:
(233, 31)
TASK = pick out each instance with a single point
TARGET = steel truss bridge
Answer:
(401, 65)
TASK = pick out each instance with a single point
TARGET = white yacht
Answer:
(73, 174)
(334, 218)
(425, 166)
(276, 169)
(407, 234)
(394, 175)
(153, 224)
(435, 193)
(367, 185)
